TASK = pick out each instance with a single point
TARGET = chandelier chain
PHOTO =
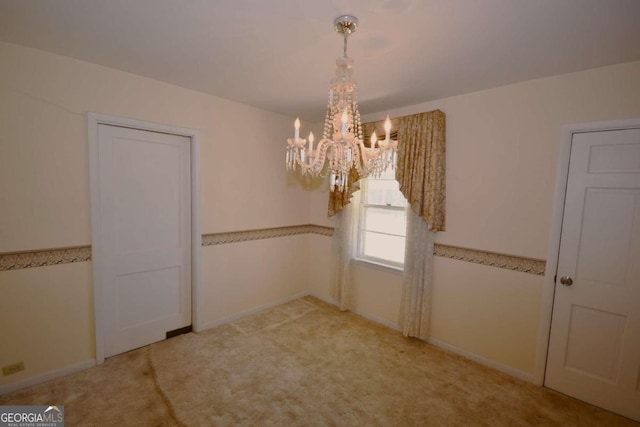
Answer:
(346, 35)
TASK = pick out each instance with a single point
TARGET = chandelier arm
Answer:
(318, 163)
(315, 167)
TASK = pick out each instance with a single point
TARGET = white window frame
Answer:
(360, 255)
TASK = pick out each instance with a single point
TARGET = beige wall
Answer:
(46, 318)
(502, 149)
(481, 310)
(246, 275)
(46, 313)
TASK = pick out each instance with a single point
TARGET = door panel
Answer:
(595, 341)
(145, 221)
(143, 167)
(135, 308)
(594, 347)
(603, 252)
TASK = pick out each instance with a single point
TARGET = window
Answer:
(383, 221)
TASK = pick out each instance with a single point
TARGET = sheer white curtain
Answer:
(421, 165)
(344, 247)
(421, 174)
(417, 279)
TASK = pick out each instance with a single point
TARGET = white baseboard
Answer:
(380, 320)
(373, 318)
(483, 361)
(51, 375)
(324, 298)
(236, 316)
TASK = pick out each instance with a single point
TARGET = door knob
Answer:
(566, 280)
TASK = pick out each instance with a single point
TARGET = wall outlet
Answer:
(12, 369)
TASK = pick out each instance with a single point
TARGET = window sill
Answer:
(378, 266)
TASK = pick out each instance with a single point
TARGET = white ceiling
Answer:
(279, 54)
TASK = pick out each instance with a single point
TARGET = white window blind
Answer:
(383, 221)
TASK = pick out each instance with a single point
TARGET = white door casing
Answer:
(594, 345)
(145, 233)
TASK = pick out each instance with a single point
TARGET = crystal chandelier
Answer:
(341, 147)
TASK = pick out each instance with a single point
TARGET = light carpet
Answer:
(304, 363)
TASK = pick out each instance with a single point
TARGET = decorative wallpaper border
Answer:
(40, 258)
(263, 233)
(493, 259)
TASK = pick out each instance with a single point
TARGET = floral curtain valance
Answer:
(339, 199)
(420, 166)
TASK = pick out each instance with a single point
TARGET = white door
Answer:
(145, 228)
(594, 348)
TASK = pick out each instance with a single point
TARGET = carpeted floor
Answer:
(303, 363)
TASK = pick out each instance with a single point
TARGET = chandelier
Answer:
(342, 147)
